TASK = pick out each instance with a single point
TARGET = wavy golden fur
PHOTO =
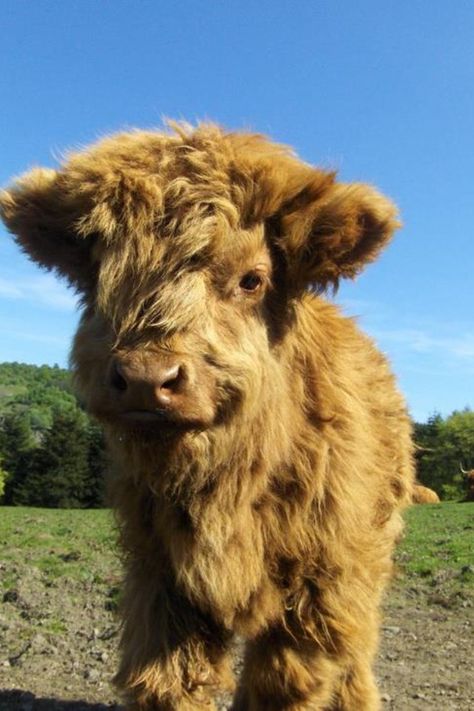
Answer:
(424, 495)
(263, 496)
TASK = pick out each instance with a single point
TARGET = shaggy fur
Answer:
(424, 495)
(262, 451)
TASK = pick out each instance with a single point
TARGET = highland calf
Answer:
(262, 452)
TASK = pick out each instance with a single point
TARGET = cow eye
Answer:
(251, 282)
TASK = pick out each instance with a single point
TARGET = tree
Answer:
(17, 444)
(444, 444)
(36, 391)
(97, 466)
(58, 475)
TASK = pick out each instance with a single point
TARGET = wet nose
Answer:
(145, 384)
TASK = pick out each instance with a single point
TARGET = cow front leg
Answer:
(173, 656)
(284, 673)
(357, 690)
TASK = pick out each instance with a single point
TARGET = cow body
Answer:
(262, 451)
(468, 476)
(424, 495)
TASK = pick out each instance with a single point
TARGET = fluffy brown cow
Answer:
(424, 495)
(262, 450)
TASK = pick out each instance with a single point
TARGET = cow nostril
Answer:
(173, 380)
(117, 380)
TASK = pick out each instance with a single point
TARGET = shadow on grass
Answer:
(17, 700)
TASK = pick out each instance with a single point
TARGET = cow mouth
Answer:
(159, 420)
(159, 415)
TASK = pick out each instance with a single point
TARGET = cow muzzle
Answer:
(158, 388)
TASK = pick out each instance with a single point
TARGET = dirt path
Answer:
(58, 642)
(425, 659)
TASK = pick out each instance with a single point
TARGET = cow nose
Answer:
(168, 383)
(146, 385)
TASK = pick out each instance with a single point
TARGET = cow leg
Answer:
(282, 673)
(357, 690)
(173, 656)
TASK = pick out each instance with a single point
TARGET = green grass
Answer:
(438, 547)
(75, 543)
(54, 627)
(436, 556)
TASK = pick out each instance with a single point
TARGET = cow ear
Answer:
(41, 213)
(334, 234)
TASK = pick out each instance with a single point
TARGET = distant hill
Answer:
(37, 390)
(51, 454)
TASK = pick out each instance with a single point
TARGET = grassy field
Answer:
(76, 543)
(60, 585)
(438, 546)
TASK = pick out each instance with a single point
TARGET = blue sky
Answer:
(380, 90)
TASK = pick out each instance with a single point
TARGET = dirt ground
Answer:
(58, 648)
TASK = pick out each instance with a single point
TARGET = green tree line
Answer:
(52, 454)
(444, 447)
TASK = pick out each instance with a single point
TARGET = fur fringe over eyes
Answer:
(131, 189)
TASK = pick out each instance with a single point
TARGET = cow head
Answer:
(190, 251)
